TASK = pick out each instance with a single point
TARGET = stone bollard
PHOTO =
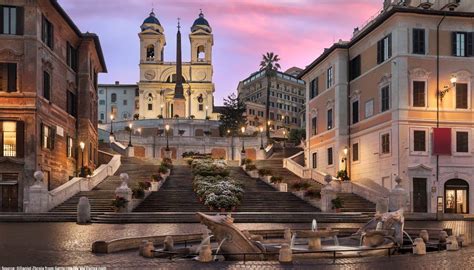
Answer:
(327, 194)
(443, 236)
(286, 255)
(168, 243)
(142, 246)
(130, 151)
(83, 211)
(149, 250)
(205, 253)
(419, 247)
(452, 243)
(424, 235)
(287, 235)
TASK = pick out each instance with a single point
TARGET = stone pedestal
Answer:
(149, 250)
(154, 186)
(261, 155)
(168, 154)
(346, 186)
(83, 211)
(125, 192)
(314, 243)
(130, 151)
(286, 255)
(38, 195)
(419, 247)
(282, 187)
(205, 253)
(327, 195)
(266, 178)
(452, 243)
(397, 197)
(253, 174)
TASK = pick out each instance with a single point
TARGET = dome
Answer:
(201, 23)
(150, 22)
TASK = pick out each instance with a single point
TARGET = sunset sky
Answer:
(297, 30)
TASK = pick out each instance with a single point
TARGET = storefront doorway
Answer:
(456, 196)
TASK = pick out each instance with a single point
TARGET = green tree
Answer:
(297, 134)
(270, 65)
(233, 116)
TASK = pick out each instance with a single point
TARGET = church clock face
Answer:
(149, 75)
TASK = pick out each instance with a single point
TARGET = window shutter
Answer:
(1, 21)
(20, 21)
(11, 87)
(1, 137)
(415, 41)
(20, 139)
(389, 45)
(42, 135)
(51, 35)
(470, 44)
(43, 28)
(379, 52)
(67, 146)
(422, 42)
(453, 43)
(52, 134)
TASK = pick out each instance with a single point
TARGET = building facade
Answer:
(157, 94)
(398, 96)
(118, 100)
(48, 69)
(287, 99)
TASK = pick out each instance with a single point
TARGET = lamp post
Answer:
(231, 143)
(167, 128)
(243, 143)
(207, 107)
(161, 108)
(284, 138)
(261, 138)
(130, 135)
(82, 145)
(111, 124)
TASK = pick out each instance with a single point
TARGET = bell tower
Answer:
(152, 40)
(202, 40)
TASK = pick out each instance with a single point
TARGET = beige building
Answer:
(48, 69)
(158, 78)
(377, 96)
(287, 99)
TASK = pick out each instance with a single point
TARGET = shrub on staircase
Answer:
(163, 169)
(138, 193)
(276, 179)
(264, 172)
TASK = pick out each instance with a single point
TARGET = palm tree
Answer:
(270, 65)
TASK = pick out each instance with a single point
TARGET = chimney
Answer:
(117, 82)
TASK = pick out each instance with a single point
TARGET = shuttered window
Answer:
(11, 20)
(419, 41)
(384, 49)
(461, 96)
(462, 142)
(314, 126)
(8, 77)
(419, 94)
(330, 156)
(419, 141)
(315, 160)
(46, 85)
(355, 68)
(12, 140)
(47, 33)
(462, 44)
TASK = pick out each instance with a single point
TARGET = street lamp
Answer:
(130, 135)
(167, 128)
(111, 124)
(284, 138)
(82, 145)
(207, 107)
(161, 107)
(261, 138)
(243, 143)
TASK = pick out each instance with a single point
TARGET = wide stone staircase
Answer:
(176, 202)
(351, 202)
(101, 197)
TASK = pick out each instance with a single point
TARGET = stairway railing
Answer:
(64, 192)
(318, 176)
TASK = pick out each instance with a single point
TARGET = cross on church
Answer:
(179, 26)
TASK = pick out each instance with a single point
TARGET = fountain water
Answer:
(219, 247)
(205, 241)
(411, 240)
(293, 238)
(314, 226)
(336, 240)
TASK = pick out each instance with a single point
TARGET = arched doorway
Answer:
(456, 196)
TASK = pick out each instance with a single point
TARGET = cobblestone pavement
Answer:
(68, 244)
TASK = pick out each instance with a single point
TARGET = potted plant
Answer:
(342, 175)
(252, 170)
(313, 193)
(155, 183)
(138, 193)
(181, 132)
(265, 174)
(245, 162)
(337, 204)
(276, 179)
(163, 171)
(278, 183)
(120, 204)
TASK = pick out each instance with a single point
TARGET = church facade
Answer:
(164, 93)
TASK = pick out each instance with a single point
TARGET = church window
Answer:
(201, 55)
(150, 53)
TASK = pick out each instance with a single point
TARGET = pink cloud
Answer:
(297, 30)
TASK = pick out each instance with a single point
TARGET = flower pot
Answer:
(267, 178)
(163, 176)
(282, 187)
(253, 174)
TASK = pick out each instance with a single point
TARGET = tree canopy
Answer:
(233, 116)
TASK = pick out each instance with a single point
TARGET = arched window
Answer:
(150, 102)
(201, 54)
(150, 53)
(114, 97)
(456, 196)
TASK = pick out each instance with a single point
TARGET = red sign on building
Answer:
(442, 141)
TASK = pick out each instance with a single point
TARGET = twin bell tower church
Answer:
(176, 89)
